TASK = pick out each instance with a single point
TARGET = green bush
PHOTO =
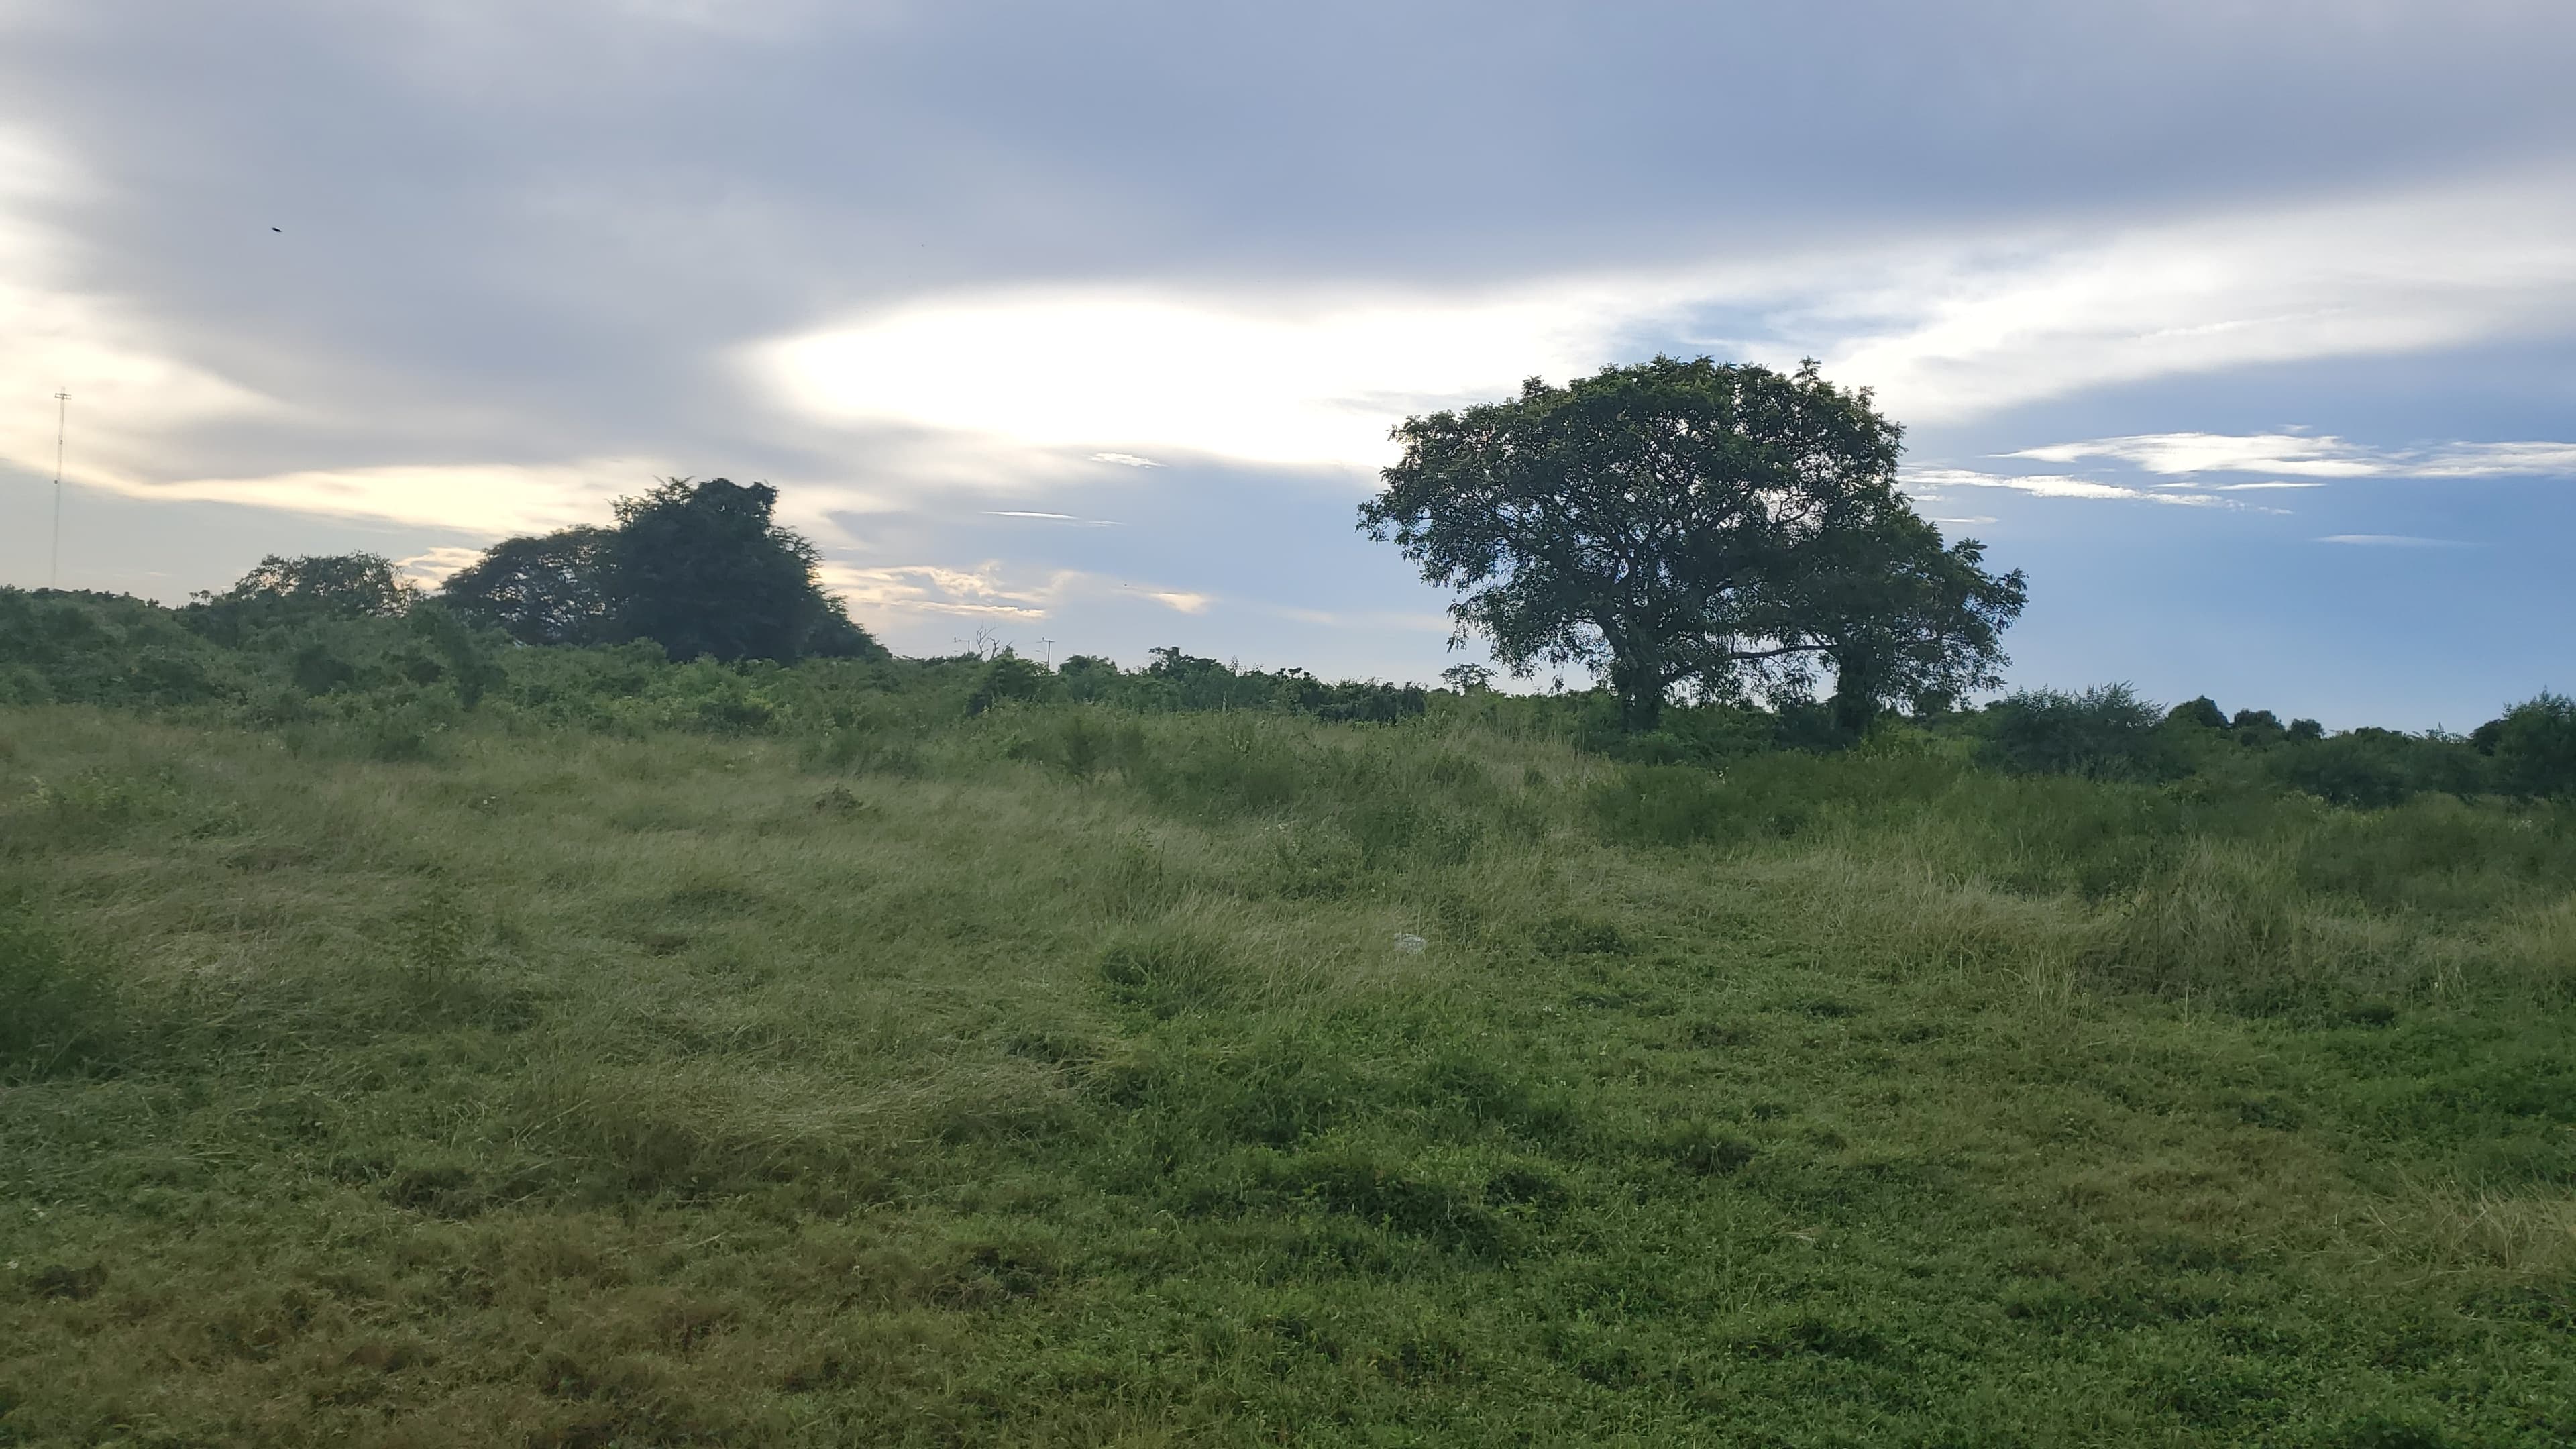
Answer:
(2535, 746)
(2376, 768)
(2104, 733)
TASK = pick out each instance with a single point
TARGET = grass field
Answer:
(1054, 1077)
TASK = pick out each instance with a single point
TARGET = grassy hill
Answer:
(652, 1072)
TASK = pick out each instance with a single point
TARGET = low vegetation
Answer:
(407, 1036)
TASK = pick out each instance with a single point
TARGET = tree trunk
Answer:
(1855, 700)
(1640, 688)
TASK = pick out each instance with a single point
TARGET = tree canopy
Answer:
(701, 568)
(540, 589)
(1724, 529)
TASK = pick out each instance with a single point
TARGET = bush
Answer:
(105, 649)
(2202, 712)
(1008, 677)
(2104, 733)
(2535, 746)
(2376, 768)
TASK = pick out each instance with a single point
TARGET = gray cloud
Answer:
(530, 257)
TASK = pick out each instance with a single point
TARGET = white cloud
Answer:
(1926, 483)
(990, 590)
(2390, 540)
(1944, 328)
(492, 499)
(2391, 273)
(1210, 375)
(431, 567)
(1029, 513)
(1125, 460)
(2316, 457)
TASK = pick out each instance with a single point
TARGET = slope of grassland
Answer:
(1054, 1078)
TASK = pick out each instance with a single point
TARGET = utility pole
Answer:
(54, 565)
(1050, 654)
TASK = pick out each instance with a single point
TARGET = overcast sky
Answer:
(2247, 329)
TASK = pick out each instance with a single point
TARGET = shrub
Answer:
(2104, 733)
(1008, 677)
(2202, 712)
(2375, 768)
(2535, 746)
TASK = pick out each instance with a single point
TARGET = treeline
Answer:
(696, 610)
(343, 641)
(338, 651)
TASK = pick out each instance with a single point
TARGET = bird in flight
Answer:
(277, 228)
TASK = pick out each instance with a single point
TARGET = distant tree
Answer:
(702, 569)
(1719, 528)
(349, 583)
(286, 591)
(2534, 745)
(1087, 677)
(538, 588)
(1007, 677)
(2256, 728)
(2373, 769)
(2203, 712)
(698, 568)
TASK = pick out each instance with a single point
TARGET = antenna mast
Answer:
(54, 564)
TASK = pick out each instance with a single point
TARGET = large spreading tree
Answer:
(1720, 529)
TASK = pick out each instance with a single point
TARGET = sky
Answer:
(2247, 330)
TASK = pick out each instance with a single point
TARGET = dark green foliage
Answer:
(470, 668)
(1722, 529)
(548, 589)
(2534, 745)
(1177, 681)
(2376, 768)
(82, 648)
(1008, 677)
(702, 570)
(2203, 712)
(2104, 733)
(283, 593)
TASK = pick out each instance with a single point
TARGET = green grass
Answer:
(1052, 1078)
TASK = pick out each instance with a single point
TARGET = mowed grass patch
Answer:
(1067, 1084)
